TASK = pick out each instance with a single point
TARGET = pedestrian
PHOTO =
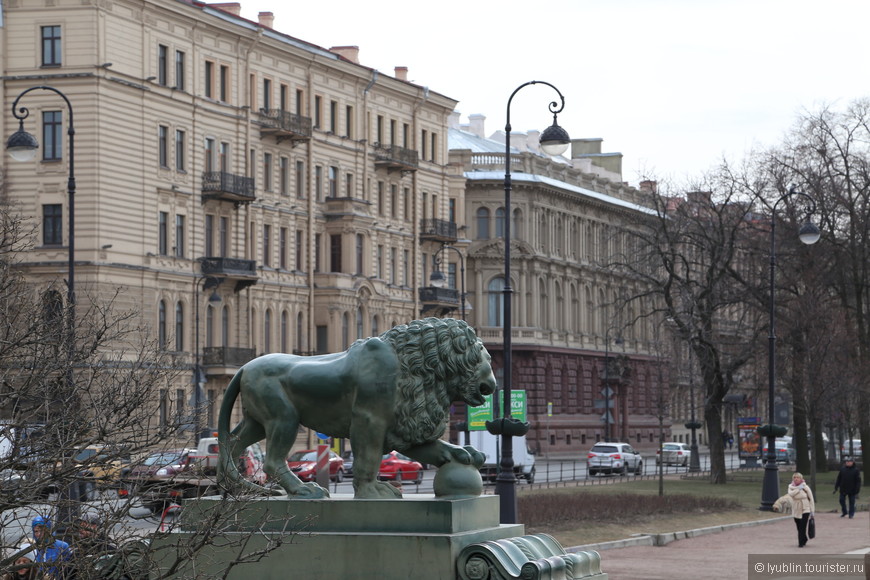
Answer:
(51, 552)
(803, 506)
(90, 545)
(24, 567)
(849, 484)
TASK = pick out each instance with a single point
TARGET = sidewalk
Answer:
(724, 555)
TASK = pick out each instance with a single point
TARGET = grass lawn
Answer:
(600, 513)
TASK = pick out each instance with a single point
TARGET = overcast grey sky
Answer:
(674, 85)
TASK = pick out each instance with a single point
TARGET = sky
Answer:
(673, 85)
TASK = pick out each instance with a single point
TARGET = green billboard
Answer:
(478, 416)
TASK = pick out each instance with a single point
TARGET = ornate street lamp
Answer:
(439, 281)
(554, 141)
(22, 147)
(808, 234)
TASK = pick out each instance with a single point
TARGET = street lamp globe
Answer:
(437, 279)
(554, 140)
(809, 233)
(22, 145)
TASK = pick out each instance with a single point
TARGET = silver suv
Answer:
(613, 458)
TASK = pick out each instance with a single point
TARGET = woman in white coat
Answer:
(802, 506)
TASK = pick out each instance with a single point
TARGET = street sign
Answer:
(607, 392)
(607, 418)
(601, 403)
(549, 409)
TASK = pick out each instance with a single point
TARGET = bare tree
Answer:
(73, 415)
(689, 254)
(830, 152)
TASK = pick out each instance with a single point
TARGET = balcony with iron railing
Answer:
(395, 158)
(438, 230)
(284, 125)
(438, 301)
(242, 272)
(227, 187)
(221, 360)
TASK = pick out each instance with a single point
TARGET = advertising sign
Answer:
(478, 416)
(748, 440)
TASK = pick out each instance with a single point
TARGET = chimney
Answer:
(648, 186)
(231, 7)
(266, 19)
(475, 124)
(453, 120)
(351, 53)
(401, 73)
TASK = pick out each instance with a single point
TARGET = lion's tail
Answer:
(228, 475)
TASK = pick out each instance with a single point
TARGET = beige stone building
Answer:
(568, 222)
(219, 159)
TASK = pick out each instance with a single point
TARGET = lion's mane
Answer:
(437, 364)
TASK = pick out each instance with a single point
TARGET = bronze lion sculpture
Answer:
(387, 392)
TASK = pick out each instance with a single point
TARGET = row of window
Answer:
(349, 332)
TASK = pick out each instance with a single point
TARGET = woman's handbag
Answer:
(811, 527)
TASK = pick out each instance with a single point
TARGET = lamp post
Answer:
(617, 340)
(438, 280)
(808, 234)
(198, 378)
(22, 146)
(554, 141)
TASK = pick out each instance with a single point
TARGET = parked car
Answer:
(304, 464)
(613, 458)
(103, 464)
(673, 453)
(852, 448)
(398, 467)
(348, 463)
(785, 453)
(162, 464)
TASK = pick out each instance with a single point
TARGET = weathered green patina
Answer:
(387, 392)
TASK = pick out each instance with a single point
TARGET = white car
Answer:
(673, 453)
(852, 449)
(613, 458)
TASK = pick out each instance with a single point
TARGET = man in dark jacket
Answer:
(849, 484)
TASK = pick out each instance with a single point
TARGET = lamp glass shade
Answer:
(809, 233)
(22, 145)
(554, 140)
(437, 279)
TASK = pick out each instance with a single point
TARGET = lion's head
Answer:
(441, 360)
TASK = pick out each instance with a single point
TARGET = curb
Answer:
(667, 538)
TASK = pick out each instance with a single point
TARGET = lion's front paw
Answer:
(378, 490)
(478, 458)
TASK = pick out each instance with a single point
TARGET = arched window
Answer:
(482, 223)
(559, 321)
(375, 327)
(495, 302)
(499, 222)
(267, 331)
(209, 325)
(300, 332)
(359, 323)
(225, 326)
(161, 325)
(544, 305)
(179, 327)
(516, 224)
(285, 331)
(345, 331)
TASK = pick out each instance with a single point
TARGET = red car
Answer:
(396, 466)
(303, 464)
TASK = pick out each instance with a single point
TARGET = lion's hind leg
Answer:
(246, 433)
(281, 434)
